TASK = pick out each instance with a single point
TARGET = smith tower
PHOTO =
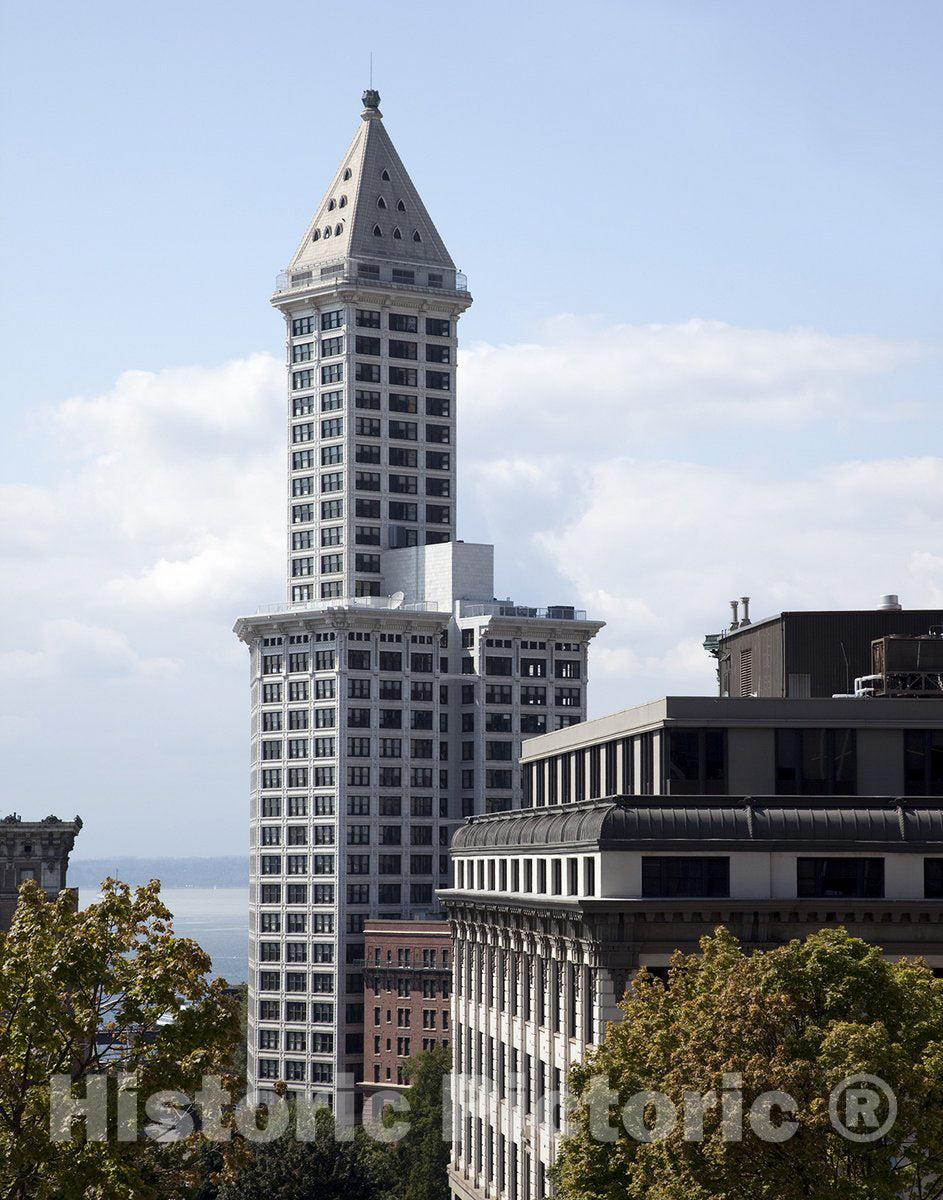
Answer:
(371, 300)
(391, 690)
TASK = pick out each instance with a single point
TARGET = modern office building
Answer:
(802, 655)
(644, 831)
(391, 689)
(407, 998)
(37, 850)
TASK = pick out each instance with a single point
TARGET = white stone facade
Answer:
(391, 691)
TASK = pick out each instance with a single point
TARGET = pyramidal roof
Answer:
(371, 209)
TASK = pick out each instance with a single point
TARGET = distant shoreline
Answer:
(229, 871)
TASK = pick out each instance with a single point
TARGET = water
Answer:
(216, 918)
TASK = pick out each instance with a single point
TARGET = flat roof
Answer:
(742, 712)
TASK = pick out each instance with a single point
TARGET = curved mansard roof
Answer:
(634, 822)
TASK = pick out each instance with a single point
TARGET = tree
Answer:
(321, 1168)
(424, 1151)
(107, 990)
(798, 1020)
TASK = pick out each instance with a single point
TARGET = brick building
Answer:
(407, 996)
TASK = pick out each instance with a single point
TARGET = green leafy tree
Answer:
(798, 1019)
(424, 1151)
(106, 990)
(320, 1168)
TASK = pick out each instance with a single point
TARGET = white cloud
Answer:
(639, 381)
(643, 473)
(672, 542)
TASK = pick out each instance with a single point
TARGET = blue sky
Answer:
(704, 241)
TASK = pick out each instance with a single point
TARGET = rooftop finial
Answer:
(371, 99)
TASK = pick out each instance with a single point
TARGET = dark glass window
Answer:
(933, 878)
(840, 877)
(816, 762)
(667, 876)
(696, 762)
(923, 762)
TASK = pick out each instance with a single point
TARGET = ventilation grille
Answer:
(746, 672)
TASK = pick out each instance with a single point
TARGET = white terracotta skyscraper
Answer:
(390, 691)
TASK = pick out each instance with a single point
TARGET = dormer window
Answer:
(316, 235)
(342, 203)
(377, 231)
(327, 231)
(338, 229)
(416, 237)
(385, 175)
(381, 203)
(397, 236)
(400, 206)
(331, 205)
(347, 173)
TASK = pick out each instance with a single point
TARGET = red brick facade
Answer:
(406, 997)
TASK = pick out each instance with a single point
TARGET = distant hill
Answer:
(231, 871)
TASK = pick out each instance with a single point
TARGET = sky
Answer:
(704, 242)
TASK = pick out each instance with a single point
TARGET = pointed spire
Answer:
(372, 210)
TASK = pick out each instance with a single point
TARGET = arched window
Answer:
(377, 231)
(331, 204)
(342, 203)
(385, 175)
(416, 237)
(338, 229)
(347, 173)
(327, 231)
(381, 203)
(400, 206)
(316, 235)
(397, 235)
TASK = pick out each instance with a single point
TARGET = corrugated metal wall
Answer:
(803, 654)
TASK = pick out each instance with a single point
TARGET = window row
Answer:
(297, 1011)
(294, 1072)
(369, 318)
(395, 348)
(333, 319)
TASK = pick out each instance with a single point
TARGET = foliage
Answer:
(424, 1152)
(798, 1019)
(322, 1168)
(108, 989)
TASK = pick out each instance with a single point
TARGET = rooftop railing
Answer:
(350, 270)
(384, 603)
(555, 612)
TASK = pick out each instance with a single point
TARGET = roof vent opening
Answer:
(347, 173)
(400, 206)
(377, 231)
(327, 231)
(381, 203)
(416, 237)
(385, 175)
(316, 235)
(338, 229)
(342, 203)
(889, 603)
(331, 204)
(397, 234)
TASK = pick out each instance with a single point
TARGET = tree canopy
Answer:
(797, 1020)
(106, 991)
